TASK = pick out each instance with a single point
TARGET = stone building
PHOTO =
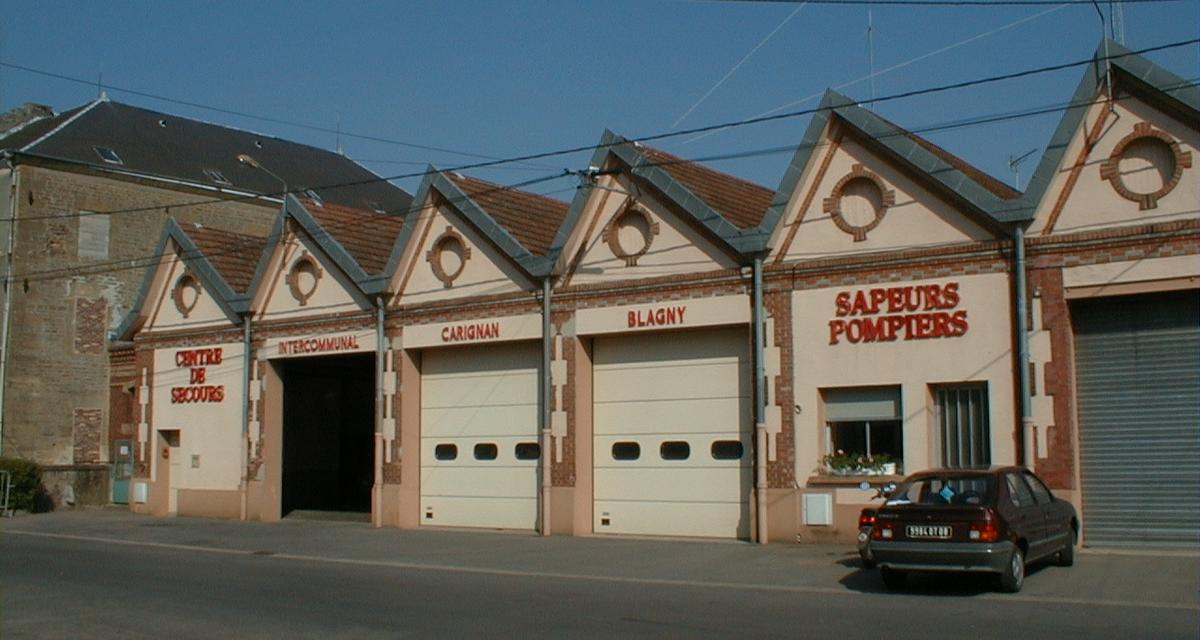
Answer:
(85, 193)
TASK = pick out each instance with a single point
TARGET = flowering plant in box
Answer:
(841, 463)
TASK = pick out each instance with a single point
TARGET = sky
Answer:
(498, 79)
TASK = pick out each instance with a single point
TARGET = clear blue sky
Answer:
(508, 78)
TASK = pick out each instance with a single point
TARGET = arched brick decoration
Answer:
(306, 264)
(1110, 168)
(833, 204)
(450, 240)
(186, 293)
(632, 217)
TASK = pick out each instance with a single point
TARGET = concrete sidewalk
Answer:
(1143, 579)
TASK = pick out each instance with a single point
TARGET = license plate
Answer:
(937, 532)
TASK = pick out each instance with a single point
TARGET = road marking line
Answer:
(518, 573)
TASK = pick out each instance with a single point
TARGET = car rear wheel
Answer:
(1014, 572)
(1066, 555)
(892, 578)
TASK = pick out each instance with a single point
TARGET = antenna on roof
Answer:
(871, 52)
(338, 139)
(100, 84)
(1014, 165)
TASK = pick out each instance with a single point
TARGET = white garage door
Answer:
(673, 431)
(479, 428)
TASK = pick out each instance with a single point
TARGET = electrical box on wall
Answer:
(140, 491)
(818, 508)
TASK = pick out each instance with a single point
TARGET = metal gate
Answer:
(122, 470)
(1138, 386)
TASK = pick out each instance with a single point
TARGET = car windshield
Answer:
(947, 489)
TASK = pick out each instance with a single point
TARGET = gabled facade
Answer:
(680, 352)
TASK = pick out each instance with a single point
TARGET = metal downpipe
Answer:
(760, 408)
(1028, 457)
(246, 363)
(380, 352)
(547, 347)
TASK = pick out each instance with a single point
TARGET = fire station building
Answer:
(680, 352)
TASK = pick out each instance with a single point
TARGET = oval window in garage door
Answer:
(626, 451)
(486, 451)
(445, 452)
(727, 450)
(527, 451)
(675, 450)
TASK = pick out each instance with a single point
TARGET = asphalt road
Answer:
(108, 575)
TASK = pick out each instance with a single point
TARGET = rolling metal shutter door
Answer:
(1138, 382)
(482, 395)
(680, 386)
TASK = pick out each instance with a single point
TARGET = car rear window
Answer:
(948, 489)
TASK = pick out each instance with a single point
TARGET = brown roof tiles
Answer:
(741, 202)
(531, 219)
(234, 255)
(366, 235)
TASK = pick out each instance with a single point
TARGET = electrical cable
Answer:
(96, 269)
(651, 137)
(245, 114)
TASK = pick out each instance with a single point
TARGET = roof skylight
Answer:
(216, 176)
(108, 155)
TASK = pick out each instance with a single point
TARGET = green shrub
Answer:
(27, 492)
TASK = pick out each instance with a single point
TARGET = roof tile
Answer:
(741, 202)
(530, 218)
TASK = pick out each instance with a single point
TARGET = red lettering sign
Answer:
(657, 317)
(318, 345)
(887, 314)
(471, 331)
(197, 361)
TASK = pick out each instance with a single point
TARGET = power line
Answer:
(947, 3)
(253, 116)
(651, 137)
(96, 269)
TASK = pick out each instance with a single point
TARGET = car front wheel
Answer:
(1014, 573)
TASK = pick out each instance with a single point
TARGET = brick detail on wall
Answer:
(562, 474)
(90, 323)
(781, 472)
(89, 429)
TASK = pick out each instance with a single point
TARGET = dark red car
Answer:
(994, 520)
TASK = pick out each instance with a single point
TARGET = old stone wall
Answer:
(82, 245)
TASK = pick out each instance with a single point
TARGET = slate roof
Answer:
(234, 256)
(160, 145)
(741, 202)
(366, 235)
(530, 218)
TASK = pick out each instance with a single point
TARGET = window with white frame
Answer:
(863, 428)
(962, 422)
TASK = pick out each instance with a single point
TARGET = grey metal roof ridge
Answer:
(317, 231)
(1160, 79)
(227, 299)
(799, 162)
(575, 211)
(693, 205)
(379, 285)
(535, 266)
(918, 157)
